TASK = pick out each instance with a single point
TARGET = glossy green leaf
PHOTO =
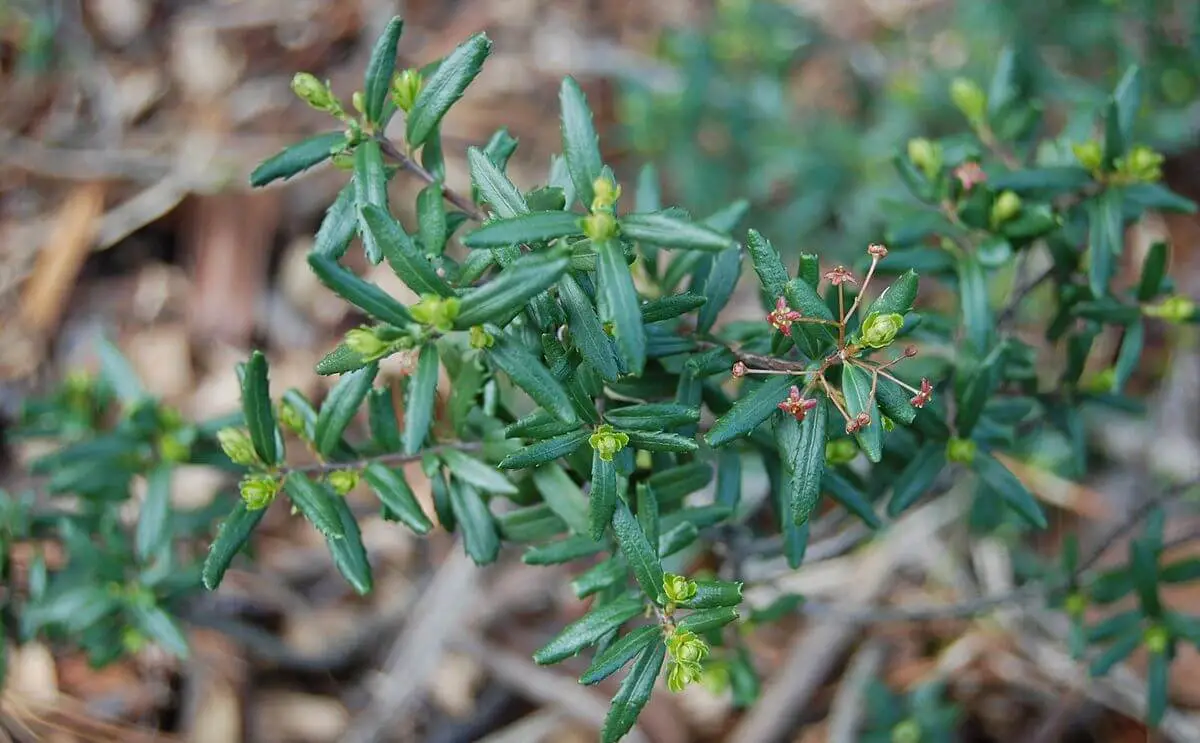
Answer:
(587, 333)
(856, 386)
(849, 497)
(341, 406)
(494, 186)
(639, 553)
(349, 554)
(1129, 355)
(588, 629)
(647, 512)
(633, 693)
(670, 307)
(394, 493)
(977, 320)
(341, 360)
(296, 159)
(370, 189)
(563, 496)
(413, 268)
(154, 518)
(1154, 270)
(544, 451)
(668, 231)
(381, 415)
(898, 297)
(621, 304)
(1012, 490)
(718, 286)
(677, 538)
(527, 372)
(256, 406)
(894, 401)
(422, 396)
(234, 532)
(315, 501)
(806, 463)
(599, 577)
(751, 410)
(653, 416)
(431, 215)
(1106, 239)
(580, 145)
(362, 294)
(378, 77)
(673, 484)
(916, 478)
(483, 476)
(711, 594)
(562, 550)
(445, 86)
(504, 297)
(767, 264)
(661, 441)
(602, 499)
(707, 620)
(481, 539)
(622, 651)
(1121, 649)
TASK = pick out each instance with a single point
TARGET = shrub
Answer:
(596, 392)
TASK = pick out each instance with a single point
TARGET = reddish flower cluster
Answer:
(969, 174)
(739, 369)
(924, 395)
(840, 275)
(795, 405)
(861, 421)
(878, 250)
(782, 317)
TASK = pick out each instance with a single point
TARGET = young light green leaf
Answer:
(587, 333)
(505, 296)
(234, 532)
(422, 394)
(563, 496)
(668, 231)
(622, 304)
(494, 186)
(370, 189)
(413, 268)
(445, 86)
(349, 554)
(544, 451)
(767, 264)
(581, 146)
(661, 441)
(296, 159)
(154, 519)
(977, 319)
(916, 477)
(633, 693)
(619, 653)
(480, 537)
(527, 372)
(1008, 487)
(395, 494)
(378, 77)
(641, 556)
(751, 410)
(602, 500)
(340, 407)
(471, 470)
(366, 296)
(588, 629)
(719, 286)
(856, 386)
(654, 416)
(315, 501)
(806, 463)
(256, 405)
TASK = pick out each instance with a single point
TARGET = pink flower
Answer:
(879, 250)
(924, 396)
(782, 317)
(861, 421)
(795, 405)
(839, 275)
(969, 174)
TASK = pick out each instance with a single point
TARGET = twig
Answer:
(845, 713)
(394, 458)
(1020, 294)
(412, 166)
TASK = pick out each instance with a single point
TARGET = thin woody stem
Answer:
(842, 315)
(819, 321)
(454, 197)
(323, 468)
(863, 291)
(896, 379)
(783, 372)
(833, 399)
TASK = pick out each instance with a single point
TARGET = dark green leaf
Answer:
(978, 390)
(296, 158)
(654, 416)
(672, 484)
(602, 500)
(366, 296)
(1128, 99)
(1154, 269)
(1105, 239)
(588, 629)
(587, 333)
(1012, 490)
(370, 189)
(1052, 180)
(917, 477)
(528, 373)
(622, 305)
(1157, 196)
(503, 298)
(349, 553)
(619, 653)
(706, 620)
(234, 532)
(711, 594)
(563, 496)
(894, 402)
(431, 215)
(395, 494)
(719, 286)
(667, 308)
(977, 321)
(338, 225)
(256, 405)
(378, 78)
(898, 297)
(422, 394)
(668, 231)
(856, 386)
(729, 478)
(381, 410)
(849, 497)
(751, 410)
(480, 538)
(767, 264)
(154, 519)
(633, 693)
(445, 86)
(562, 550)
(661, 441)
(315, 501)
(544, 451)
(1143, 565)
(580, 145)
(413, 268)
(160, 627)
(1157, 684)
(600, 576)
(340, 407)
(677, 538)
(1129, 355)
(647, 512)
(806, 462)
(1183, 571)
(341, 360)
(641, 556)
(482, 476)
(495, 188)
(1121, 649)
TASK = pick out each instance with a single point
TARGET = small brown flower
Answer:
(739, 370)
(924, 396)
(910, 351)
(969, 174)
(879, 250)
(861, 421)
(782, 317)
(840, 275)
(795, 405)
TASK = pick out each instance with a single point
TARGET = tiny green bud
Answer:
(315, 93)
(970, 99)
(1175, 309)
(1075, 604)
(644, 460)
(258, 491)
(926, 155)
(291, 418)
(1103, 380)
(357, 101)
(607, 441)
(237, 446)
(687, 647)
(840, 451)
(1089, 154)
(600, 225)
(715, 677)
(437, 312)
(406, 86)
(480, 338)
(879, 330)
(133, 641)
(960, 450)
(680, 675)
(1156, 640)
(678, 588)
(342, 481)
(172, 449)
(907, 732)
(1141, 164)
(605, 194)
(364, 342)
(1006, 206)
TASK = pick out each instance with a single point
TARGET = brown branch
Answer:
(412, 166)
(391, 459)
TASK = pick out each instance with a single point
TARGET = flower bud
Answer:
(739, 369)
(315, 93)
(679, 675)
(678, 588)
(879, 330)
(1141, 164)
(1156, 640)
(926, 155)
(1089, 154)
(1075, 605)
(173, 449)
(258, 491)
(969, 98)
(908, 731)
(1005, 207)
(436, 312)
(960, 450)
(600, 225)
(291, 418)
(237, 446)
(605, 194)
(480, 338)
(686, 646)
(364, 342)
(1175, 309)
(840, 451)
(406, 86)
(356, 100)
(877, 250)
(607, 441)
(342, 481)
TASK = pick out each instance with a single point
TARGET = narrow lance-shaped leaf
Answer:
(527, 372)
(338, 225)
(588, 629)
(431, 215)
(587, 333)
(394, 493)
(751, 410)
(718, 288)
(661, 441)
(917, 477)
(381, 416)
(1154, 269)
(370, 189)
(413, 268)
(653, 416)
(366, 296)
(619, 653)
(856, 385)
(581, 146)
(382, 64)
(349, 554)
(641, 556)
(898, 297)
(153, 526)
(296, 158)
(602, 500)
(808, 463)
(340, 407)
(633, 693)
(563, 496)
(233, 533)
(445, 86)
(504, 297)
(663, 229)
(494, 186)
(526, 227)
(256, 405)
(670, 307)
(1012, 490)
(544, 451)
(850, 497)
(483, 476)
(480, 538)
(1105, 239)
(621, 302)
(315, 501)
(422, 394)
(976, 309)
(767, 264)
(1129, 355)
